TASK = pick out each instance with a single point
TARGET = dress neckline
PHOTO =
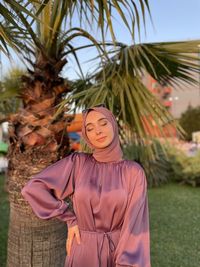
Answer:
(110, 162)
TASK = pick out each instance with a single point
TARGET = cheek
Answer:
(90, 136)
(110, 132)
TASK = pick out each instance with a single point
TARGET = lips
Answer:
(101, 139)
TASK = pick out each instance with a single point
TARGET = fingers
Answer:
(68, 246)
(77, 234)
(72, 231)
(69, 240)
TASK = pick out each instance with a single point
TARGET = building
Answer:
(163, 93)
(177, 98)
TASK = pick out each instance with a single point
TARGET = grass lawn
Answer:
(4, 213)
(174, 222)
(175, 226)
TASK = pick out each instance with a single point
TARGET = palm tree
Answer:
(37, 131)
(10, 27)
(10, 87)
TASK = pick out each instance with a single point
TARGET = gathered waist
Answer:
(108, 237)
(100, 232)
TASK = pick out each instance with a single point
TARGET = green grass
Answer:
(175, 226)
(174, 222)
(4, 218)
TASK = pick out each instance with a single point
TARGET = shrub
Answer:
(185, 169)
(158, 170)
(190, 121)
(170, 164)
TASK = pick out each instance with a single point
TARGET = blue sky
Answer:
(174, 20)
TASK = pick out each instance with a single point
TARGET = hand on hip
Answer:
(72, 232)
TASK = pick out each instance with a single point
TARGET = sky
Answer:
(173, 20)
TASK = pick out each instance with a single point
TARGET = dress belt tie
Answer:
(111, 245)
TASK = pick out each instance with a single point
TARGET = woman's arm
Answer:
(47, 190)
(133, 249)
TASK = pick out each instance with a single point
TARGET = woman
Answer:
(110, 223)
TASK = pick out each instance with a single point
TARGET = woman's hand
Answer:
(72, 231)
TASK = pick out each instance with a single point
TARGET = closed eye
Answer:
(102, 122)
(89, 130)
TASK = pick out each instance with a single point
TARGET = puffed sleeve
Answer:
(133, 249)
(47, 190)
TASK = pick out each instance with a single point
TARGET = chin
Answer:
(102, 145)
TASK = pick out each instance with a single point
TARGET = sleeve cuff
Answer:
(71, 222)
(119, 265)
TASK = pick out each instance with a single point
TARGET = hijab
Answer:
(112, 152)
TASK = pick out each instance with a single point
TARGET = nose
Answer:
(98, 130)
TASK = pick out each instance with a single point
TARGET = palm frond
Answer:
(103, 13)
(12, 28)
(167, 61)
(163, 61)
(118, 79)
(52, 16)
(118, 83)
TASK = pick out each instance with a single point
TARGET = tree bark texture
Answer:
(37, 140)
(33, 242)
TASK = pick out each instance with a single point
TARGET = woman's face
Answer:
(98, 129)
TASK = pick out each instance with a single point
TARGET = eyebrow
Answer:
(93, 123)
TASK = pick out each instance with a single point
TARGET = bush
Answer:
(190, 121)
(185, 169)
(157, 170)
(170, 164)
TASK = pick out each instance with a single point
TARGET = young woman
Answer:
(110, 223)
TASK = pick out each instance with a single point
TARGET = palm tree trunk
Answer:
(33, 242)
(36, 141)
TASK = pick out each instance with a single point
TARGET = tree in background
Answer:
(9, 105)
(190, 121)
(10, 87)
(48, 34)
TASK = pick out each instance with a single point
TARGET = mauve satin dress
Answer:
(110, 207)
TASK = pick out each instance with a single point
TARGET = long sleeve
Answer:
(133, 249)
(47, 190)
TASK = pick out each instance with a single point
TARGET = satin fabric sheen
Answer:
(110, 207)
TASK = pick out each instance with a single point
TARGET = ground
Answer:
(175, 231)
